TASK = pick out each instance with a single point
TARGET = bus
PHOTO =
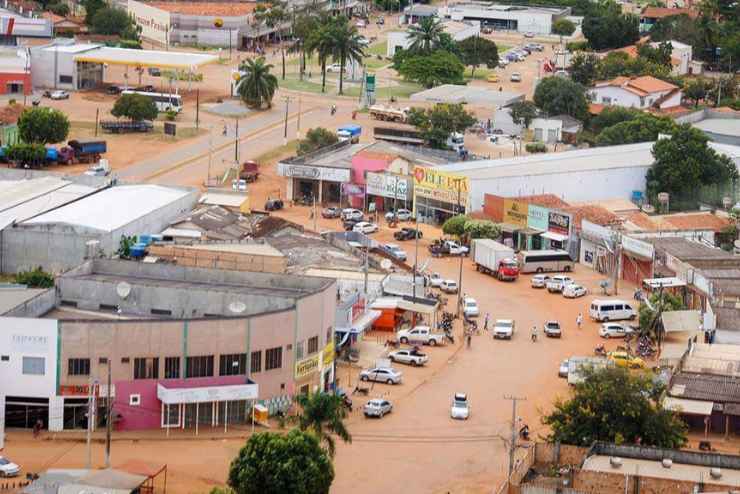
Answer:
(164, 101)
(539, 261)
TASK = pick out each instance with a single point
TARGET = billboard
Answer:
(387, 185)
(154, 22)
(516, 212)
(440, 186)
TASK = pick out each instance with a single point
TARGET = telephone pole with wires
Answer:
(512, 446)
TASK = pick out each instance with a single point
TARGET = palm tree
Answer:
(425, 36)
(274, 17)
(321, 42)
(323, 414)
(348, 46)
(258, 85)
(305, 21)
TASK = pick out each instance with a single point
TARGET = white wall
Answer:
(527, 21)
(43, 63)
(628, 99)
(22, 337)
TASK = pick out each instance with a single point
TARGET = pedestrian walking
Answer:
(579, 320)
(468, 338)
(485, 321)
(534, 334)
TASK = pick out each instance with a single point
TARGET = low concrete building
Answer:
(637, 92)
(15, 72)
(523, 19)
(459, 31)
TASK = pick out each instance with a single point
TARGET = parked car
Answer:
(420, 334)
(624, 359)
(8, 468)
(154, 71)
(349, 225)
(377, 407)
(504, 328)
(273, 204)
(360, 23)
(435, 280)
(614, 330)
(552, 329)
(352, 214)
(540, 280)
(59, 95)
(470, 307)
(529, 35)
(395, 251)
(387, 375)
(148, 88)
(448, 286)
(410, 356)
(406, 233)
(493, 78)
(365, 227)
(335, 67)
(460, 408)
(563, 370)
(114, 89)
(331, 213)
(611, 310)
(400, 215)
(486, 30)
(558, 282)
(574, 290)
(440, 248)
(515, 77)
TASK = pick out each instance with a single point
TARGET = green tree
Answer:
(42, 125)
(306, 22)
(615, 406)
(695, 90)
(323, 415)
(35, 278)
(59, 9)
(438, 123)
(273, 463)
(321, 42)
(257, 86)
(660, 54)
(455, 226)
(584, 68)
(425, 36)
(91, 8)
(435, 69)
(608, 28)
(643, 128)
(475, 51)
(348, 46)
(684, 163)
(665, 302)
(481, 229)
(30, 155)
(135, 107)
(558, 95)
(274, 15)
(612, 115)
(110, 20)
(563, 27)
(316, 139)
(523, 112)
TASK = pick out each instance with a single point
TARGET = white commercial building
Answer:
(582, 175)
(459, 31)
(638, 92)
(537, 20)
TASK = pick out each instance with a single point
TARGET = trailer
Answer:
(495, 258)
(82, 151)
(403, 136)
(388, 114)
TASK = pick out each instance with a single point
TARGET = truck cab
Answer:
(508, 269)
(349, 133)
(456, 142)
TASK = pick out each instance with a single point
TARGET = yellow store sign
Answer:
(516, 212)
(440, 186)
(328, 354)
(307, 366)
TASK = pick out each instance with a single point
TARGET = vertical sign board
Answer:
(170, 129)
(440, 186)
(370, 89)
(154, 22)
(516, 212)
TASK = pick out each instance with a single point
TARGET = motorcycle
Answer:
(600, 351)
(392, 343)
(333, 109)
(524, 433)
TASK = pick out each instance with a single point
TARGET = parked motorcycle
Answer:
(600, 351)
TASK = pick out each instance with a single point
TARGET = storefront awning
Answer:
(417, 307)
(691, 407)
(205, 394)
(556, 237)
(361, 323)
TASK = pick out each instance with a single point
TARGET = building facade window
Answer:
(313, 345)
(273, 358)
(255, 364)
(172, 367)
(201, 366)
(78, 367)
(34, 366)
(232, 365)
(146, 368)
(299, 350)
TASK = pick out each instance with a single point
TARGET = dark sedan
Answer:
(407, 234)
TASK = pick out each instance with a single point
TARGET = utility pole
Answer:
(108, 408)
(210, 154)
(367, 262)
(97, 116)
(298, 126)
(512, 446)
(88, 438)
(236, 144)
(459, 281)
(285, 131)
(197, 110)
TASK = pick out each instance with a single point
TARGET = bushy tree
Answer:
(35, 278)
(660, 54)
(558, 95)
(482, 229)
(316, 139)
(455, 225)
(438, 123)
(31, 155)
(584, 68)
(111, 20)
(91, 8)
(323, 414)
(435, 69)
(257, 86)
(643, 128)
(608, 27)
(612, 115)
(696, 90)
(135, 107)
(273, 463)
(475, 51)
(523, 112)
(42, 125)
(664, 302)
(59, 9)
(563, 27)
(614, 406)
(273, 15)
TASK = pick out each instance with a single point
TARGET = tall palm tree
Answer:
(275, 16)
(425, 36)
(321, 42)
(306, 20)
(348, 46)
(323, 414)
(258, 85)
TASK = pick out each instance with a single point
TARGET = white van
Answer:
(612, 310)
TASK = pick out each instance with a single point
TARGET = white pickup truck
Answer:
(409, 356)
(421, 334)
(558, 282)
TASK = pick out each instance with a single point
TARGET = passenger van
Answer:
(611, 310)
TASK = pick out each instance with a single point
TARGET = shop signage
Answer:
(327, 354)
(558, 223)
(314, 172)
(307, 366)
(387, 185)
(440, 186)
(594, 232)
(84, 390)
(30, 343)
(637, 247)
(516, 212)
(537, 217)
(205, 394)
(154, 22)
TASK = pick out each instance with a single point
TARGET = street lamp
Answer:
(218, 23)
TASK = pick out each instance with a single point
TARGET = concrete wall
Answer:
(621, 97)
(19, 338)
(47, 65)
(36, 307)
(193, 257)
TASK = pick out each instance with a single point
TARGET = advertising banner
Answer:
(440, 186)
(559, 223)
(538, 217)
(314, 172)
(327, 354)
(387, 185)
(307, 366)
(516, 212)
(637, 247)
(154, 22)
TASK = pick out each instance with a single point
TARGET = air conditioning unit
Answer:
(715, 473)
(667, 462)
(615, 462)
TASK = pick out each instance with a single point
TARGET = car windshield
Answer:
(461, 403)
(3, 461)
(503, 324)
(470, 304)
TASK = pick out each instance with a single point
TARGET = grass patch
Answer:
(87, 129)
(276, 153)
(376, 49)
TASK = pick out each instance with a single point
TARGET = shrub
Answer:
(536, 147)
(35, 278)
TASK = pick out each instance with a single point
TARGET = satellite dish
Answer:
(123, 290)
(386, 264)
(237, 307)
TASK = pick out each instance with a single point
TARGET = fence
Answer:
(537, 488)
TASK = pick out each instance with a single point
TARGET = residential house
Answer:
(651, 15)
(638, 92)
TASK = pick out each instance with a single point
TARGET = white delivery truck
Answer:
(495, 258)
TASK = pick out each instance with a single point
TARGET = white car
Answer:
(59, 95)
(574, 291)
(395, 251)
(504, 328)
(377, 407)
(448, 286)
(365, 227)
(360, 23)
(351, 214)
(460, 408)
(516, 77)
(470, 307)
(614, 330)
(335, 67)
(435, 280)
(409, 356)
(401, 215)
(387, 375)
(8, 468)
(563, 370)
(558, 282)
(540, 280)
(552, 329)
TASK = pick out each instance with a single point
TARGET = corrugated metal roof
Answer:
(707, 387)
